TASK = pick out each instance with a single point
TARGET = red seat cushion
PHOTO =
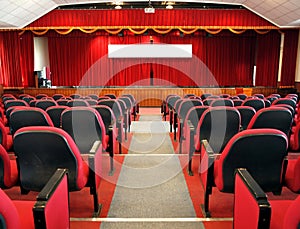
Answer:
(24, 209)
(278, 211)
(292, 176)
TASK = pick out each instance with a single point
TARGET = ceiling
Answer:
(19, 13)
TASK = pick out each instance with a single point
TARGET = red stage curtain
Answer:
(289, 57)
(225, 59)
(27, 59)
(162, 17)
(267, 59)
(10, 67)
(16, 59)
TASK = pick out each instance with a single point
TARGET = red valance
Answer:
(162, 18)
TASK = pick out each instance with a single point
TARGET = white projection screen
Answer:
(150, 51)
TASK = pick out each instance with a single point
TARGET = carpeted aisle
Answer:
(151, 191)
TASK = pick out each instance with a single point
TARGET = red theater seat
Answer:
(260, 151)
(253, 210)
(8, 169)
(41, 150)
(50, 210)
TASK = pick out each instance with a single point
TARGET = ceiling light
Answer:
(118, 7)
(169, 7)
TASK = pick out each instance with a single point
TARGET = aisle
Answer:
(151, 191)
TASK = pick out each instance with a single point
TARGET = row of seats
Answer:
(225, 143)
(77, 145)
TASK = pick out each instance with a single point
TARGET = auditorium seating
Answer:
(14, 103)
(116, 108)
(30, 116)
(8, 169)
(54, 113)
(260, 151)
(40, 96)
(246, 113)
(85, 126)
(292, 175)
(287, 101)
(50, 210)
(57, 96)
(171, 101)
(256, 103)
(183, 109)
(273, 117)
(135, 105)
(253, 209)
(41, 150)
(77, 103)
(217, 125)
(222, 102)
(44, 104)
(5, 137)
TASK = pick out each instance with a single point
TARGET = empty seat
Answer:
(292, 175)
(77, 103)
(112, 96)
(242, 96)
(44, 104)
(260, 151)
(42, 149)
(31, 116)
(50, 210)
(39, 96)
(55, 114)
(14, 103)
(279, 118)
(85, 126)
(222, 102)
(253, 209)
(256, 103)
(246, 113)
(217, 125)
(8, 170)
(57, 96)
(287, 101)
(5, 137)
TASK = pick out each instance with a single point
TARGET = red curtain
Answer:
(16, 59)
(225, 59)
(10, 56)
(267, 59)
(289, 57)
(27, 59)
(162, 17)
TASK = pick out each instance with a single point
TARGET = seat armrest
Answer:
(251, 206)
(206, 168)
(52, 205)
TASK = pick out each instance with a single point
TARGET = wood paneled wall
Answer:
(147, 96)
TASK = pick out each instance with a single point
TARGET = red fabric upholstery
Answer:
(294, 138)
(292, 176)
(278, 212)
(9, 212)
(246, 214)
(240, 158)
(6, 140)
(52, 210)
(292, 215)
(24, 209)
(82, 171)
(10, 170)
